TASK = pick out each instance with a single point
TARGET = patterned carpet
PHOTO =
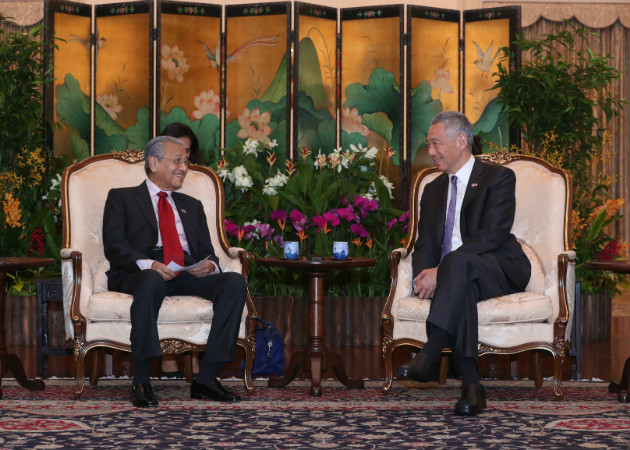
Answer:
(518, 417)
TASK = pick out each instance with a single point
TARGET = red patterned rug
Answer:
(518, 416)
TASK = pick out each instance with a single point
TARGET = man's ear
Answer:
(462, 141)
(153, 161)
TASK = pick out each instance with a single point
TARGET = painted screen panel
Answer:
(189, 58)
(68, 102)
(371, 80)
(485, 33)
(434, 73)
(123, 109)
(257, 74)
(315, 102)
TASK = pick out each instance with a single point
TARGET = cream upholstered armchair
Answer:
(96, 317)
(539, 318)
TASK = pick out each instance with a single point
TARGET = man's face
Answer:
(448, 153)
(169, 173)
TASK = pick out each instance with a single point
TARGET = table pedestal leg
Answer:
(10, 362)
(290, 372)
(621, 388)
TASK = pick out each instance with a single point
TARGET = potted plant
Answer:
(315, 200)
(29, 182)
(553, 98)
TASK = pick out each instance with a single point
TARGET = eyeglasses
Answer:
(179, 161)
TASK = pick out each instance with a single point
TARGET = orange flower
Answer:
(290, 167)
(326, 230)
(357, 241)
(302, 235)
(271, 158)
(281, 223)
(12, 212)
(240, 233)
(305, 153)
(369, 242)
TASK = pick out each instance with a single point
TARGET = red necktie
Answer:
(173, 250)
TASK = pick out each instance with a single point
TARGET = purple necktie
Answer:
(450, 219)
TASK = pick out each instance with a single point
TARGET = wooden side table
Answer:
(8, 361)
(316, 359)
(617, 266)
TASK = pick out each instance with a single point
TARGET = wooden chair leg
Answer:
(538, 381)
(188, 366)
(96, 366)
(389, 370)
(443, 368)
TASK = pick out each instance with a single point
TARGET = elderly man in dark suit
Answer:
(147, 227)
(464, 253)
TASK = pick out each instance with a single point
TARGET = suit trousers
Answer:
(463, 279)
(227, 291)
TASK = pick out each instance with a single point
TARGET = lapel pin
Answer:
(473, 185)
(183, 210)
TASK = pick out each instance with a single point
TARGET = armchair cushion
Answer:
(115, 306)
(513, 308)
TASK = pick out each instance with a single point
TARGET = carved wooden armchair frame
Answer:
(545, 240)
(84, 264)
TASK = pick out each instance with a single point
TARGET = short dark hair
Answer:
(155, 147)
(178, 129)
(456, 123)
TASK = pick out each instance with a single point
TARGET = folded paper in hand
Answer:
(177, 268)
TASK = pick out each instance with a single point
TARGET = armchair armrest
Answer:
(77, 286)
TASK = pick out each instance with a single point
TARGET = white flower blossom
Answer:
(241, 178)
(371, 153)
(278, 180)
(388, 184)
(272, 144)
(250, 147)
(225, 174)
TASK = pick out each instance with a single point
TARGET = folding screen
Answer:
(486, 31)
(257, 74)
(68, 101)
(371, 84)
(433, 74)
(123, 66)
(338, 89)
(189, 71)
(315, 98)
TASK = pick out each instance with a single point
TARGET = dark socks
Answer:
(207, 373)
(468, 369)
(438, 340)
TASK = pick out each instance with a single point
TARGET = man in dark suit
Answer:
(144, 229)
(464, 253)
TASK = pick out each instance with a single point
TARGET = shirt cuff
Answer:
(145, 264)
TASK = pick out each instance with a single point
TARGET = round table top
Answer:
(21, 263)
(325, 264)
(614, 265)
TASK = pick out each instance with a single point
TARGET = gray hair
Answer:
(456, 123)
(155, 147)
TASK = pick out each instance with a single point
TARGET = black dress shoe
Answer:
(141, 395)
(421, 368)
(214, 391)
(472, 401)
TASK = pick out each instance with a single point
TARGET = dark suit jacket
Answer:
(130, 229)
(486, 219)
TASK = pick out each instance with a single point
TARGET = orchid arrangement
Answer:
(316, 199)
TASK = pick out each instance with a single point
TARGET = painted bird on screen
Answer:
(213, 55)
(484, 63)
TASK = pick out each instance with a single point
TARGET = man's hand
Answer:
(160, 268)
(207, 268)
(425, 283)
